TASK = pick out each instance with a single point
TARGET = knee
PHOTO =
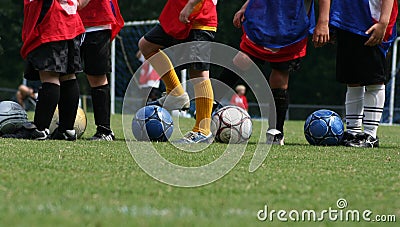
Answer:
(242, 61)
(97, 81)
(67, 77)
(144, 47)
(279, 79)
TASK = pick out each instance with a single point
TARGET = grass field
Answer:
(84, 183)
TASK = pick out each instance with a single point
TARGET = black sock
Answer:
(101, 107)
(46, 105)
(281, 97)
(68, 104)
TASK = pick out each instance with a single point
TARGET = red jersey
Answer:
(204, 17)
(291, 52)
(61, 22)
(102, 12)
(240, 101)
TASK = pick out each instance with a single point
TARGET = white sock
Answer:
(354, 108)
(373, 108)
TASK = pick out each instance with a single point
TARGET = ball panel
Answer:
(225, 134)
(336, 125)
(138, 130)
(323, 113)
(246, 129)
(318, 128)
(154, 129)
(231, 116)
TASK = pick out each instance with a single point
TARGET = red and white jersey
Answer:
(61, 22)
(104, 13)
(204, 16)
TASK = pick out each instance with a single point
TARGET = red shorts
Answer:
(288, 53)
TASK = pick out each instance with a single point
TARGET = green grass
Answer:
(84, 183)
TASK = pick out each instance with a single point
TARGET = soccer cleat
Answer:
(348, 137)
(195, 137)
(102, 136)
(171, 102)
(69, 135)
(29, 131)
(364, 140)
(275, 137)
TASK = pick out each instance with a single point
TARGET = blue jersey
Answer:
(357, 16)
(278, 23)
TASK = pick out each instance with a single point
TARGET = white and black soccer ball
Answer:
(324, 127)
(12, 116)
(79, 125)
(231, 124)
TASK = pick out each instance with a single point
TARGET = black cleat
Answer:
(103, 134)
(29, 131)
(69, 135)
(347, 138)
(364, 140)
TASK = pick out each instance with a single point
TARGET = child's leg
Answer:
(95, 53)
(204, 97)
(279, 80)
(374, 101)
(48, 98)
(354, 108)
(100, 91)
(68, 103)
(161, 63)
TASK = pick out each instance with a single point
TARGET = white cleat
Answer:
(275, 137)
(171, 102)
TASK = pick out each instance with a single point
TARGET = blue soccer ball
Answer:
(324, 127)
(152, 123)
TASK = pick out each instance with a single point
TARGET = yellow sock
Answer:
(204, 103)
(161, 64)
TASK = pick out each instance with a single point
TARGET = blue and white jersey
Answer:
(357, 16)
(278, 23)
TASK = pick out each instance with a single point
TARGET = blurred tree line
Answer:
(314, 83)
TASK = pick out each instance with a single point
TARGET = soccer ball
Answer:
(12, 116)
(231, 124)
(79, 125)
(152, 123)
(324, 127)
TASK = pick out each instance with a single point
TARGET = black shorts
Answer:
(96, 52)
(62, 57)
(357, 63)
(290, 66)
(158, 36)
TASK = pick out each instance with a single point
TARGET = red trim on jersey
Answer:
(59, 23)
(392, 21)
(294, 51)
(100, 12)
(205, 15)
